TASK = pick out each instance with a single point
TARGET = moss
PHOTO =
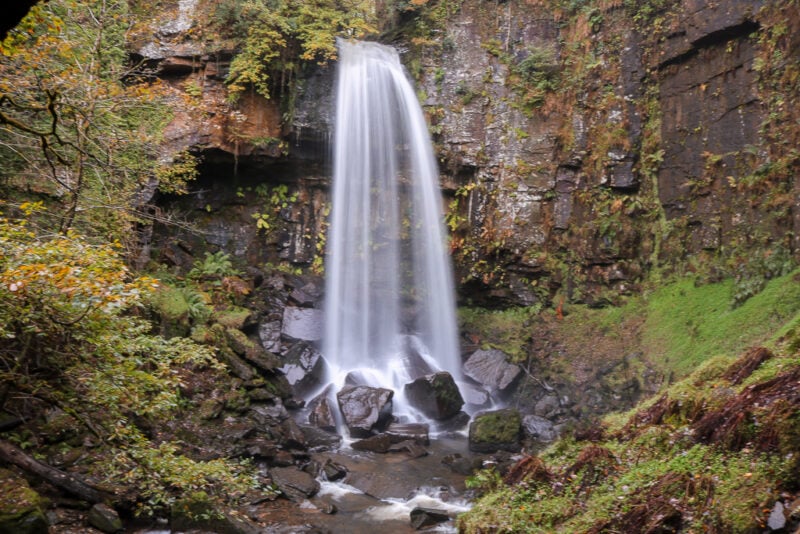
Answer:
(506, 330)
(232, 317)
(495, 430)
(21, 508)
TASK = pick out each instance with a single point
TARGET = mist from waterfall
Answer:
(390, 310)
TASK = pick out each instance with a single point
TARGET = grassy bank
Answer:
(713, 452)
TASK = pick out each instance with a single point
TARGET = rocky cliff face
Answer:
(578, 147)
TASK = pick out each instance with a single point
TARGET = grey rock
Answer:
(474, 395)
(547, 406)
(427, 517)
(435, 395)
(490, 368)
(365, 409)
(318, 439)
(270, 335)
(321, 414)
(303, 324)
(270, 413)
(379, 443)
(417, 432)
(238, 367)
(333, 471)
(303, 366)
(294, 483)
(777, 519)
(103, 517)
(411, 447)
(538, 428)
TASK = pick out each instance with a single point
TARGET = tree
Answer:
(77, 123)
(274, 34)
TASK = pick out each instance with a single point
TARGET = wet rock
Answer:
(455, 423)
(237, 366)
(318, 439)
(333, 471)
(538, 428)
(379, 443)
(293, 435)
(307, 295)
(261, 448)
(365, 409)
(547, 406)
(21, 508)
(417, 432)
(409, 446)
(303, 366)
(294, 483)
(105, 518)
(270, 335)
(777, 518)
(250, 350)
(320, 412)
(435, 395)
(269, 414)
(283, 459)
(302, 324)
(473, 395)
(495, 430)
(427, 517)
(490, 368)
(461, 465)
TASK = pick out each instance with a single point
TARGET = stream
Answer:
(380, 490)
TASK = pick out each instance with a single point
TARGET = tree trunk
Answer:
(64, 481)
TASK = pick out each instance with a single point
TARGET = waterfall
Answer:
(390, 310)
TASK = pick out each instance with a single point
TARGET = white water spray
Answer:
(390, 310)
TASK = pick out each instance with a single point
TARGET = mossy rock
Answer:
(233, 317)
(496, 430)
(199, 512)
(21, 508)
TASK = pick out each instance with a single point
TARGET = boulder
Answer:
(22, 510)
(104, 518)
(303, 366)
(270, 413)
(426, 517)
(365, 409)
(495, 430)
(333, 471)
(292, 435)
(318, 439)
(435, 395)
(302, 324)
(250, 350)
(416, 432)
(320, 412)
(270, 335)
(473, 395)
(491, 369)
(378, 443)
(237, 366)
(294, 483)
(538, 428)
(414, 449)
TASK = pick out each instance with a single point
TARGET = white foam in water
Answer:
(399, 509)
(390, 305)
(336, 490)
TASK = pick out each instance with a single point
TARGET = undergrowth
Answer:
(713, 452)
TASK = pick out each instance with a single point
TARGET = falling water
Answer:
(390, 312)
